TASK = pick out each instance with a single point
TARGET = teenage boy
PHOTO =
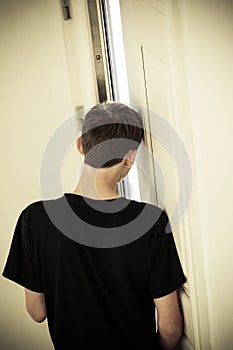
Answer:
(104, 294)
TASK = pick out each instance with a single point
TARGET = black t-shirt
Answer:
(96, 296)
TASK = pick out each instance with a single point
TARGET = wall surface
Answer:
(40, 88)
(208, 58)
(187, 76)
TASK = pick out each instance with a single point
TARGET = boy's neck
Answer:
(96, 194)
(97, 183)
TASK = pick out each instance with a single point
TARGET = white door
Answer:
(148, 58)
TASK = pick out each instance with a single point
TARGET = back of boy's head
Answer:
(110, 130)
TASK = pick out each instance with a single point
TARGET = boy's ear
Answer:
(79, 144)
(129, 158)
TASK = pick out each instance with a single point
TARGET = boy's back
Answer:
(96, 296)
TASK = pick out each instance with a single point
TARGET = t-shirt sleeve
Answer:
(19, 266)
(166, 274)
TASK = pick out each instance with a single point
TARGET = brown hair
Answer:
(104, 123)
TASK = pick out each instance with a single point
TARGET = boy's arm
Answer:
(35, 305)
(170, 321)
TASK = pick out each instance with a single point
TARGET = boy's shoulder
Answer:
(41, 210)
(153, 208)
(40, 205)
(37, 209)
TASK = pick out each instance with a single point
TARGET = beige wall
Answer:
(188, 55)
(40, 88)
(204, 54)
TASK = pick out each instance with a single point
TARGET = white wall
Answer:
(190, 41)
(204, 54)
(40, 88)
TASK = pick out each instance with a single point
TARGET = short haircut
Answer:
(105, 122)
